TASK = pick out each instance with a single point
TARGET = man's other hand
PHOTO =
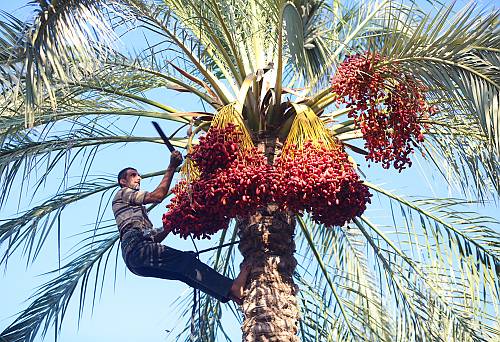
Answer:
(175, 159)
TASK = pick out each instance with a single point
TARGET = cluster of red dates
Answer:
(387, 105)
(235, 182)
(322, 181)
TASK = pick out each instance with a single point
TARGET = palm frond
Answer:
(48, 47)
(341, 253)
(98, 94)
(445, 248)
(427, 296)
(206, 20)
(151, 66)
(472, 230)
(306, 36)
(426, 273)
(51, 300)
(345, 329)
(34, 154)
(32, 227)
(159, 19)
(350, 22)
(460, 151)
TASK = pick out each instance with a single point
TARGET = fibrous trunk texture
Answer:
(267, 243)
(270, 306)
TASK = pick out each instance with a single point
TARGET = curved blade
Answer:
(163, 136)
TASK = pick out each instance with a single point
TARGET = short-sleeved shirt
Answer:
(129, 210)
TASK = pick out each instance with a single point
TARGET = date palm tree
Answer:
(433, 274)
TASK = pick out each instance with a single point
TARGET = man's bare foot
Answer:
(237, 289)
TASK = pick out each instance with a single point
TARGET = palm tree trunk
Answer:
(267, 243)
(270, 306)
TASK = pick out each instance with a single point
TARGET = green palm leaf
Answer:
(338, 255)
(50, 301)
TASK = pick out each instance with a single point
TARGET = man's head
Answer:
(130, 178)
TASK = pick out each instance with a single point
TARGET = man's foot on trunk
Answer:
(237, 289)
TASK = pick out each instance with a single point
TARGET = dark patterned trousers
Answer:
(146, 258)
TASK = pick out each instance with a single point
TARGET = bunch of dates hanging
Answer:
(188, 213)
(232, 182)
(387, 105)
(321, 180)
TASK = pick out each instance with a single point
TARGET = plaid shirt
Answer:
(130, 212)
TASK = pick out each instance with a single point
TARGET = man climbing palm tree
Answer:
(142, 251)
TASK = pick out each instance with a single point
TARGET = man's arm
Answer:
(159, 194)
(160, 236)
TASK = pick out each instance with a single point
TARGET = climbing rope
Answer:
(216, 247)
(196, 295)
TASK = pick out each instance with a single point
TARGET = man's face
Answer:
(132, 180)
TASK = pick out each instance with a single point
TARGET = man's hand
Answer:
(161, 235)
(159, 194)
(175, 159)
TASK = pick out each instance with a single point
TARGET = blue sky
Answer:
(134, 308)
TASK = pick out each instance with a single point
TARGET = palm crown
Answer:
(271, 63)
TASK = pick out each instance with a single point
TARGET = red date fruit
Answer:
(386, 104)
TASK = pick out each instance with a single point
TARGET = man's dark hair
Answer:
(123, 173)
